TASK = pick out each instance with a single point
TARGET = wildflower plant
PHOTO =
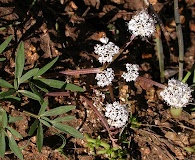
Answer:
(37, 85)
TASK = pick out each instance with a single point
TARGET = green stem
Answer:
(31, 114)
(189, 73)
(159, 50)
(180, 39)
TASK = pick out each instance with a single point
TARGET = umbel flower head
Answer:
(132, 72)
(106, 51)
(142, 24)
(105, 77)
(117, 114)
(177, 94)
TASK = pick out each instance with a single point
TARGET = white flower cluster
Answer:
(117, 114)
(142, 24)
(176, 94)
(132, 72)
(106, 51)
(105, 77)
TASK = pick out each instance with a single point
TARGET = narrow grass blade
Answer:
(19, 60)
(2, 142)
(5, 84)
(5, 44)
(28, 75)
(58, 110)
(30, 95)
(68, 129)
(14, 147)
(39, 136)
(46, 67)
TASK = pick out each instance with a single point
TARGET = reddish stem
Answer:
(81, 71)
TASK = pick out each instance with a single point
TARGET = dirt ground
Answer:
(70, 29)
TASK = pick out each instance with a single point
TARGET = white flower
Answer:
(176, 94)
(142, 24)
(104, 40)
(132, 72)
(117, 114)
(105, 77)
(106, 51)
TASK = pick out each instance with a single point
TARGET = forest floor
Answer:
(70, 30)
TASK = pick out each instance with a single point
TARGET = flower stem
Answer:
(180, 39)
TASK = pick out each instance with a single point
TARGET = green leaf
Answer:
(29, 95)
(2, 142)
(45, 123)
(58, 110)
(2, 59)
(19, 60)
(14, 119)
(28, 75)
(5, 44)
(7, 93)
(43, 107)
(46, 119)
(35, 90)
(46, 67)
(190, 149)
(12, 98)
(14, 132)
(52, 83)
(4, 120)
(63, 119)
(16, 84)
(14, 147)
(73, 87)
(36, 83)
(5, 84)
(33, 127)
(68, 129)
(39, 141)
